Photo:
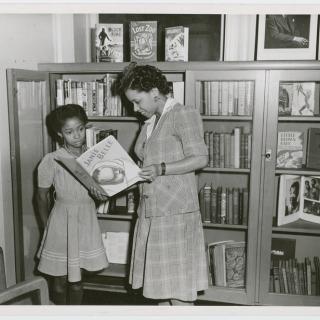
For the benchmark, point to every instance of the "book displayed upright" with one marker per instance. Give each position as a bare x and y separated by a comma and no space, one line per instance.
106,166
305,99
109,42
290,149
176,43
143,40
299,199
313,149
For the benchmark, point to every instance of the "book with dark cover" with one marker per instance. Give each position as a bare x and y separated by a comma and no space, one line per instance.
285,98
283,249
313,149
109,42
143,40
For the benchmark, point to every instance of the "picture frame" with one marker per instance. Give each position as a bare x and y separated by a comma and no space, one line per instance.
275,37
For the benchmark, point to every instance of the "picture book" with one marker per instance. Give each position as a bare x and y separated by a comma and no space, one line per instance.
299,199
305,99
176,43
106,165
313,149
290,149
285,98
109,42
143,40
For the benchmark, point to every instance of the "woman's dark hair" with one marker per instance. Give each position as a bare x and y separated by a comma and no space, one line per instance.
142,78
58,117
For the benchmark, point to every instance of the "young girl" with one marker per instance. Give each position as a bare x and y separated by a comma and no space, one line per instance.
72,238
168,254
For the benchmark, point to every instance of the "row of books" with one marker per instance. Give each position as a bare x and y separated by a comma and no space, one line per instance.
223,205
124,203
298,99
143,42
95,135
293,277
227,263
225,98
296,151
229,150
96,97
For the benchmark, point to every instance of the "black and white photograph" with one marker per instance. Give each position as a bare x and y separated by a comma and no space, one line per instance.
137,186
287,37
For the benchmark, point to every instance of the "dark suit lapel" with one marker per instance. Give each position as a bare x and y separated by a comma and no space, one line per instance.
281,21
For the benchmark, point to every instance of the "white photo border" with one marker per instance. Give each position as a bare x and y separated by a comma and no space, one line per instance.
291,53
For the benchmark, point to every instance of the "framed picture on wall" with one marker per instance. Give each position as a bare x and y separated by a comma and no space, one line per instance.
287,37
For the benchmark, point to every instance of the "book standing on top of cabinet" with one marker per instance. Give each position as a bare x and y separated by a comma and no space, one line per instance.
176,43
109,42
143,41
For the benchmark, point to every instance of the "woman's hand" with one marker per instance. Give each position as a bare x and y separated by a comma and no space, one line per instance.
97,194
150,173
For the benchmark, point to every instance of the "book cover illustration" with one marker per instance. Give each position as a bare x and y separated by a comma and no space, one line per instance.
299,199
305,99
176,43
109,42
235,264
313,149
290,149
227,263
143,40
106,165
285,98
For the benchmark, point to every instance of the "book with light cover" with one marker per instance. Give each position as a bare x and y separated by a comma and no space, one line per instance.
106,165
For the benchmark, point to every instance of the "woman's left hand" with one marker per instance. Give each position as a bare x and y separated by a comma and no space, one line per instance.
97,194
150,173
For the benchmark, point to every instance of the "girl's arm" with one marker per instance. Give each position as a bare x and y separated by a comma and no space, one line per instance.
43,204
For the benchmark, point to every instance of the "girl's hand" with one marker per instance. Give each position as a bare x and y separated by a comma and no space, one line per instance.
150,173
97,194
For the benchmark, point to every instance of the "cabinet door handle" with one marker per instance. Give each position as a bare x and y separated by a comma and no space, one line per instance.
268,154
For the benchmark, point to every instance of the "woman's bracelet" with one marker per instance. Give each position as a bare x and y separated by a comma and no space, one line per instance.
163,168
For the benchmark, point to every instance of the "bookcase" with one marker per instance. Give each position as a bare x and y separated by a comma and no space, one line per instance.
256,174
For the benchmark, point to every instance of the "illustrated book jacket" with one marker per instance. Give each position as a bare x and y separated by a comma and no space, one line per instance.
106,165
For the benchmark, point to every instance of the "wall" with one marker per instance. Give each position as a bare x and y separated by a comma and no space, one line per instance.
26,40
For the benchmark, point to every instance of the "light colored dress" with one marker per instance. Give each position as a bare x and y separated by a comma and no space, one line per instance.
168,254
72,238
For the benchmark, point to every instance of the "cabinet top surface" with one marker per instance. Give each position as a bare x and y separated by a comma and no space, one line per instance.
180,66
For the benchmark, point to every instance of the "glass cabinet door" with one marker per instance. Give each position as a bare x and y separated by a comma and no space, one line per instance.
231,106
290,247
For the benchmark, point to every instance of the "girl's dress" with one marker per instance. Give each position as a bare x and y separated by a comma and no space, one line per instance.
168,255
72,238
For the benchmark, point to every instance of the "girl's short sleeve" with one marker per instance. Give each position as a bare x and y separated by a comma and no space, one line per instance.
188,125
46,171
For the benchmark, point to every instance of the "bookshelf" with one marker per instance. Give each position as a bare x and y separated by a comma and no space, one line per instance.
305,234
261,178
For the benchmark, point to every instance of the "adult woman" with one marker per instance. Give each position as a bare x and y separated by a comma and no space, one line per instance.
168,255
